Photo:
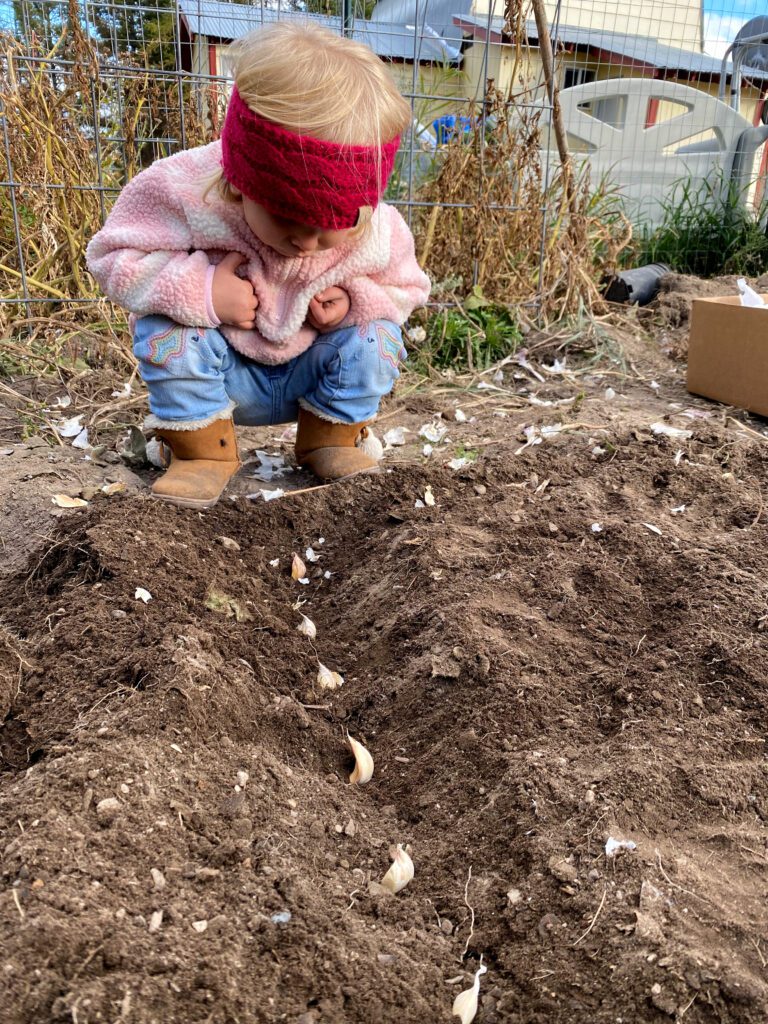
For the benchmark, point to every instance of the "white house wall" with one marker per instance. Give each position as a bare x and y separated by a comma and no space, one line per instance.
672,22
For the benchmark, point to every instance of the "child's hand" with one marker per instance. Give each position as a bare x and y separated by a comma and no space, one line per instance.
328,309
234,299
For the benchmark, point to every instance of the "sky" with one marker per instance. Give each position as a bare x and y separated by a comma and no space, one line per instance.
724,18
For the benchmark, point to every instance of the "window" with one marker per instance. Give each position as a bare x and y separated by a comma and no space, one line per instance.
577,76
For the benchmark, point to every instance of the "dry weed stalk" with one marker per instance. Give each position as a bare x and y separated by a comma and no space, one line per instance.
519,233
77,132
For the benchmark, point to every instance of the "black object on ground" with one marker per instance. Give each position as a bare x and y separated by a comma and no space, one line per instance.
639,286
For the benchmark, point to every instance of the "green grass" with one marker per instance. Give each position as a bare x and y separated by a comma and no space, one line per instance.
474,336
707,231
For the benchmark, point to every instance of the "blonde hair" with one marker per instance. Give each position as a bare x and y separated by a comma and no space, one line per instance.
315,83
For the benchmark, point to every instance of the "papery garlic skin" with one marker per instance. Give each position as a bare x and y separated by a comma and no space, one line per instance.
363,771
307,627
328,680
400,872
465,1003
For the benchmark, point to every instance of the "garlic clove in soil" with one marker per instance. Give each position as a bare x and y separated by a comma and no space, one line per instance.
400,872
307,627
328,680
363,770
65,501
298,569
465,1003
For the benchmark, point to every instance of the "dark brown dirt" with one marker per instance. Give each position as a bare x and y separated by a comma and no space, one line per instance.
529,688
671,309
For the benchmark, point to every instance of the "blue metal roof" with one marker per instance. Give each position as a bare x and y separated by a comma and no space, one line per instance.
640,49
221,20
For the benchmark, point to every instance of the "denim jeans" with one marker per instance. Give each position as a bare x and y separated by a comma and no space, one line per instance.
194,375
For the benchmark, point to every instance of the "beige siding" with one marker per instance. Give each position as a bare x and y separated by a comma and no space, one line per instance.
503,68
200,55
673,22
436,91
750,97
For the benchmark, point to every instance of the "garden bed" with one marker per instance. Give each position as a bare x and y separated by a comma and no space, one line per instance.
567,648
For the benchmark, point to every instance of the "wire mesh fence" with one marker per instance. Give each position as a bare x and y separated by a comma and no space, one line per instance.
545,140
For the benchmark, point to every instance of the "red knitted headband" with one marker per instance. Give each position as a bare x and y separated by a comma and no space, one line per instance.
303,179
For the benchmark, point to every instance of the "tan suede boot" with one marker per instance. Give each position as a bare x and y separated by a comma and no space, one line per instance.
328,449
202,464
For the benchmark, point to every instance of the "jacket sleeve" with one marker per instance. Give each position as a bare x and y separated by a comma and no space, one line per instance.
143,258
394,292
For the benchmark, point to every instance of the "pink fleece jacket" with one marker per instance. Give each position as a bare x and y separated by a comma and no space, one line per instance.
159,247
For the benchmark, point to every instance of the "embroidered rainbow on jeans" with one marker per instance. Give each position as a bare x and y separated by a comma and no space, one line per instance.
390,346
168,345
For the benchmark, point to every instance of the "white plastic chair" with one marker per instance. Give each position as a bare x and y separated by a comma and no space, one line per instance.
645,135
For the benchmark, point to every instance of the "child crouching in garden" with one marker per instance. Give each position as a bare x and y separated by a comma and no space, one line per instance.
266,280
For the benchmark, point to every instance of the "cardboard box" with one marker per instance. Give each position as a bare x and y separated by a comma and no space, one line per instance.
728,353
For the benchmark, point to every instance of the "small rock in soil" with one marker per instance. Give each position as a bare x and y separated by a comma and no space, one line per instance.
107,810
548,925
155,921
562,869
444,666
206,874
648,929
158,878
233,805
663,1001
467,739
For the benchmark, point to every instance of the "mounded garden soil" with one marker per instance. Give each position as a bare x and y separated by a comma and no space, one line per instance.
670,311
555,654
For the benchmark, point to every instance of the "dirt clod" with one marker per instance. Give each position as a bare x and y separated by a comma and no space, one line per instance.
107,810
